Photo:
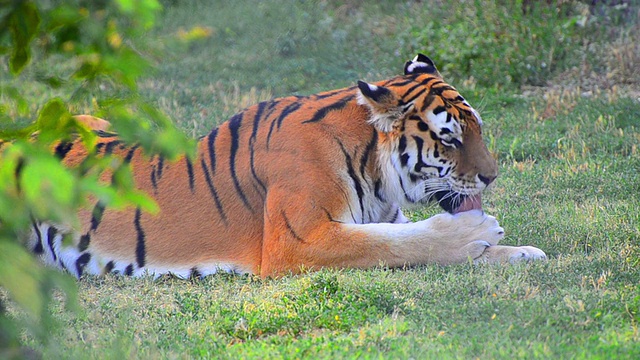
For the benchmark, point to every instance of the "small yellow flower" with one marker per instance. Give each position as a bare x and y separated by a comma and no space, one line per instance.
68,46
115,40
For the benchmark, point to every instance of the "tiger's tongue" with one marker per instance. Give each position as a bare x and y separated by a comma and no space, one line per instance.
470,203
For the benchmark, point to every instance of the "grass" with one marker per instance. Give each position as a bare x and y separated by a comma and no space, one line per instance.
569,184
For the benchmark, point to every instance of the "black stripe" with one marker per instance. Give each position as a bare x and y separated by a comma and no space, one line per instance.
156,172
328,214
404,82
38,248
213,191
195,273
192,181
160,167
367,151
286,111
404,191
271,127
409,90
412,98
434,136
434,82
377,190
332,93
111,145
85,240
154,182
428,101
290,228
395,217
211,145
129,270
423,126
272,107
439,90
252,141
81,262
51,233
402,144
127,158
404,159
63,148
253,172
109,267
234,126
96,215
320,114
256,121
18,173
104,134
141,251
354,177
63,266
420,163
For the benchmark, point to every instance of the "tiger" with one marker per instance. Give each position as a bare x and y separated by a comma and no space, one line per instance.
301,183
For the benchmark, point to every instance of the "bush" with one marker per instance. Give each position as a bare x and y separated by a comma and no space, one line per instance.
502,43
87,57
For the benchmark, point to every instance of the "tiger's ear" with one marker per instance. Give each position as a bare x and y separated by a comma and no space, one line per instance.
421,64
385,106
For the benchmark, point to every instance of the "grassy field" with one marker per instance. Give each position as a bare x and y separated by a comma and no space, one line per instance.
570,185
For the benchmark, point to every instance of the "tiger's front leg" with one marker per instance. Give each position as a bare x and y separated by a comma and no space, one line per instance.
511,254
296,238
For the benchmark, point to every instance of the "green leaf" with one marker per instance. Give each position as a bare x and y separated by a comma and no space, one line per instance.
49,188
13,94
141,10
54,121
54,82
23,24
18,276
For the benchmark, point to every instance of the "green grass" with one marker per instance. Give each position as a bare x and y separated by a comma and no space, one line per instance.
569,185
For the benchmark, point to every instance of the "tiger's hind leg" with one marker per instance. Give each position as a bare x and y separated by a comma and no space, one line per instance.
57,247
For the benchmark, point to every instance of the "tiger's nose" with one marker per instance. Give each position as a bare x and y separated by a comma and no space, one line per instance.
487,179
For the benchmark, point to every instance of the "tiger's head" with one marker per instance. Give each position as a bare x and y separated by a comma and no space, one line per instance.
431,138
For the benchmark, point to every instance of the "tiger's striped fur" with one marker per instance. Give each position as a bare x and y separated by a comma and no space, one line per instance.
302,181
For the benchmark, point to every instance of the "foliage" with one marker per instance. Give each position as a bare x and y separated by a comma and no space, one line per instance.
504,43
98,44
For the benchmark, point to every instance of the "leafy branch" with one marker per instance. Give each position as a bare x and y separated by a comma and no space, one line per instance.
86,54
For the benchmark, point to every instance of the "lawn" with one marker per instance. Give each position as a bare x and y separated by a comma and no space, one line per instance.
562,117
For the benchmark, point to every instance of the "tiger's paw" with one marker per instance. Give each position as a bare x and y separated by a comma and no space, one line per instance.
465,236
466,227
511,254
